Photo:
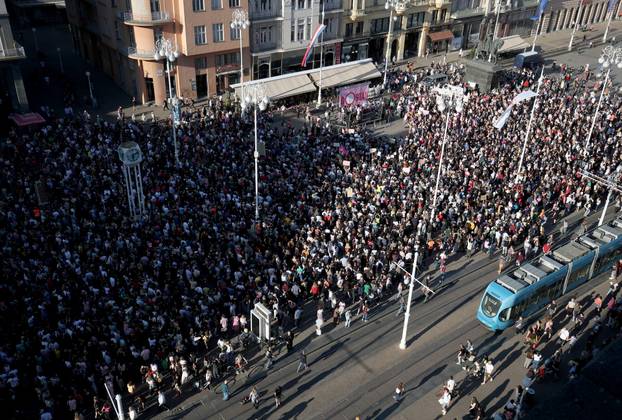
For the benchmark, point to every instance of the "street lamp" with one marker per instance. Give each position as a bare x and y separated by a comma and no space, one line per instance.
447,98
60,60
494,34
88,78
391,5
257,98
610,56
165,49
239,22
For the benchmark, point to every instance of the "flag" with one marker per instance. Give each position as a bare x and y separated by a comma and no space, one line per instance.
541,7
314,39
523,96
612,4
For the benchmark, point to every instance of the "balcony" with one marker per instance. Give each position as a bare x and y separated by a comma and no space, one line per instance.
9,54
258,13
153,19
438,3
332,5
263,47
356,14
137,54
468,12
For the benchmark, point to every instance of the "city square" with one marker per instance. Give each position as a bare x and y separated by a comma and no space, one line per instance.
311,209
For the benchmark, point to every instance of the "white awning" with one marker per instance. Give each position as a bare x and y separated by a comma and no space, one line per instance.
513,43
282,86
345,74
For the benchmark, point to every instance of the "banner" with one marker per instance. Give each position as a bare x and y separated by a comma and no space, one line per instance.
354,95
523,96
316,36
541,7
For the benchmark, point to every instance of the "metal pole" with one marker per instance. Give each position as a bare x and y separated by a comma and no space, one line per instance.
602,216
576,24
600,101
319,91
170,94
256,155
241,65
608,23
120,412
388,52
60,60
494,35
440,165
88,77
533,109
409,303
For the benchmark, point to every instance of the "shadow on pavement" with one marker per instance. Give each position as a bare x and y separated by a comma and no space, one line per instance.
429,376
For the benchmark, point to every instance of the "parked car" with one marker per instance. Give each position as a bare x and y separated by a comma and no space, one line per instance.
530,60
435,79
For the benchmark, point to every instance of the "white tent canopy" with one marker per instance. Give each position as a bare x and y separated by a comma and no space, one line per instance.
287,85
513,43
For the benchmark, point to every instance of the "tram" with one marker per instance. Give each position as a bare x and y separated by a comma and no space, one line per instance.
527,289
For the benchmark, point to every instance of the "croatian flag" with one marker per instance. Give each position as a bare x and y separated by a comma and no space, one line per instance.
541,7
316,36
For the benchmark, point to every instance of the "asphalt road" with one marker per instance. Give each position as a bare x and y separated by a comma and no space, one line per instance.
353,371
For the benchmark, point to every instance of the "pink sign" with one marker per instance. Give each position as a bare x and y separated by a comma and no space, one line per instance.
354,95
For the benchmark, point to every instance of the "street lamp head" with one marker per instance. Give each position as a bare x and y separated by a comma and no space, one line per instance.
606,64
265,100
262,106
232,25
248,99
245,24
88,73
156,56
386,5
176,54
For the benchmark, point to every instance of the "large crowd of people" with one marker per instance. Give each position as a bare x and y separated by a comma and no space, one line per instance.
92,297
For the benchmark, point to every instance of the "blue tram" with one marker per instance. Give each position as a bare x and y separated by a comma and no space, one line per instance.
530,287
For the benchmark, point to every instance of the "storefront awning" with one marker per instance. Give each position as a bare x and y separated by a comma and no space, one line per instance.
441,35
513,43
280,87
345,74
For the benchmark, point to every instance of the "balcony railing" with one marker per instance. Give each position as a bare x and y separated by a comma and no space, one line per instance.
263,46
257,13
12,53
138,54
468,12
155,18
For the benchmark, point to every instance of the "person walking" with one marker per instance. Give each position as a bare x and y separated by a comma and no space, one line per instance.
399,392
254,397
365,311
488,369
348,319
268,364
402,304
162,401
224,387
445,400
277,396
302,361
476,410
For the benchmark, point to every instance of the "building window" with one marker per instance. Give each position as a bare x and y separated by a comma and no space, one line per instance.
199,35
234,3
379,25
443,15
293,32
300,30
130,35
349,29
216,4
359,28
301,4
198,5
235,33
309,33
200,63
265,34
155,5
434,16
219,32
227,59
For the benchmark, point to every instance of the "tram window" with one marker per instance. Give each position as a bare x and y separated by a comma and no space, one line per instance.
505,314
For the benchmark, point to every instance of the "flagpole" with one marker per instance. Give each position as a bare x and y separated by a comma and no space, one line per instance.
611,12
535,38
319,92
533,111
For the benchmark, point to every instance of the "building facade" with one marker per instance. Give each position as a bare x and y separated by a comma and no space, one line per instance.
119,37
11,53
282,29
560,14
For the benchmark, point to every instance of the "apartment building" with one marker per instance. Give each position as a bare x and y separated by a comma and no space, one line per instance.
560,14
11,81
419,27
282,29
119,37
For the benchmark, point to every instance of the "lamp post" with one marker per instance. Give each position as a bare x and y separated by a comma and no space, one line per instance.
610,56
411,287
256,97
88,78
60,60
392,6
576,24
239,21
609,182
611,12
34,37
165,49
446,99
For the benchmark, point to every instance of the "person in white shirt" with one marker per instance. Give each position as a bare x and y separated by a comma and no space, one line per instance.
488,369
450,385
